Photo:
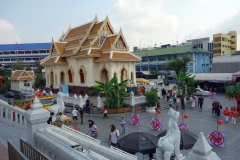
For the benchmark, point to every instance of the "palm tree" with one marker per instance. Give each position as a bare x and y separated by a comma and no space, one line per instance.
115,92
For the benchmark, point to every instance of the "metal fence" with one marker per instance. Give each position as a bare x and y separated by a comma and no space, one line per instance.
14,153
30,152
27,152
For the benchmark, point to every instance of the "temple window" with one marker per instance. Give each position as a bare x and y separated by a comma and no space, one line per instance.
82,78
70,76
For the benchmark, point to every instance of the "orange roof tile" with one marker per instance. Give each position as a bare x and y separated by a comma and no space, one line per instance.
60,47
104,56
17,73
124,56
95,28
81,53
61,60
30,73
67,52
108,41
87,42
49,61
78,31
25,78
73,42
95,52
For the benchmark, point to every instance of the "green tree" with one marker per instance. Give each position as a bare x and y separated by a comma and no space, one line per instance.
178,64
17,66
151,97
154,71
188,83
39,81
6,83
114,92
38,66
233,92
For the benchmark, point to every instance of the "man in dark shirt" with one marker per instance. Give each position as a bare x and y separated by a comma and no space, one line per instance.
200,100
182,103
87,105
50,118
81,114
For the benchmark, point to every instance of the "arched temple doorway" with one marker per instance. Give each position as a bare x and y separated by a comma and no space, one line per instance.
104,75
51,79
62,78
123,74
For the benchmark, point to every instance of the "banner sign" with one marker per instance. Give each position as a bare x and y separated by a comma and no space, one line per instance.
212,95
217,138
63,88
183,127
135,119
156,124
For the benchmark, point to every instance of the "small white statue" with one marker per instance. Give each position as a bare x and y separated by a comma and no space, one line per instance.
170,143
59,107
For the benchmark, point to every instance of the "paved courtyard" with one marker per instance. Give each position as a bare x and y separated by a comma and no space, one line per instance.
199,121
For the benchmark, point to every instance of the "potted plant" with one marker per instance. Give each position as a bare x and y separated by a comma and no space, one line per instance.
151,98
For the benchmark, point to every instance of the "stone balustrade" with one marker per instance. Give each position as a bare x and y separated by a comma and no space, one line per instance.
12,113
75,100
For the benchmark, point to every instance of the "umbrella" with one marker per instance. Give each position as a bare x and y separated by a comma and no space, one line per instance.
188,139
142,142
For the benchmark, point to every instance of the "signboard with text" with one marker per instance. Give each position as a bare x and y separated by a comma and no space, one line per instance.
63,88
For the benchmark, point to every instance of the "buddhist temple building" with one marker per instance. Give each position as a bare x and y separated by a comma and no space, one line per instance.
21,79
88,53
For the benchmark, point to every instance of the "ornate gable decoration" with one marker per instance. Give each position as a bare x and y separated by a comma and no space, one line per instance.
106,30
120,44
24,74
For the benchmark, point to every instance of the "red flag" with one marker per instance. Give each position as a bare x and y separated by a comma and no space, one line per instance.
16,46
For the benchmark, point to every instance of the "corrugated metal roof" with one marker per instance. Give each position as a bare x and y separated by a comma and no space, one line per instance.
171,50
25,46
226,59
224,77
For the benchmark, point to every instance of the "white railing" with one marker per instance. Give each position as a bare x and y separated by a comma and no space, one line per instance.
92,143
12,113
75,100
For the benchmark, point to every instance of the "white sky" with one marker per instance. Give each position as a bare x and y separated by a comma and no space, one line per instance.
148,21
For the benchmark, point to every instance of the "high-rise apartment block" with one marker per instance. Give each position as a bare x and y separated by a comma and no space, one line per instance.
224,44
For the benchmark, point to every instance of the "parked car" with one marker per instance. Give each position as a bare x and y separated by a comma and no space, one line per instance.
10,94
19,96
202,92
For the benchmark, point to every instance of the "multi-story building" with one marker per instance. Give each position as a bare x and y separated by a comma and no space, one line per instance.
27,53
158,58
200,42
224,44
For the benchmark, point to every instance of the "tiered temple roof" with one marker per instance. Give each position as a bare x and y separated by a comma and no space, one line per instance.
93,39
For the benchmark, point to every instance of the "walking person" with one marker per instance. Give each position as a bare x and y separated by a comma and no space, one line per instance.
214,108
59,120
81,114
174,97
74,114
122,122
93,129
87,104
177,103
182,103
170,102
194,103
234,115
113,136
49,121
200,100
217,109
91,109
238,109
226,113
105,113
168,96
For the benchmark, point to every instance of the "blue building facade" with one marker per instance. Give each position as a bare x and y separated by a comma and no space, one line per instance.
27,53
158,58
